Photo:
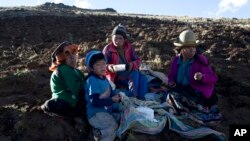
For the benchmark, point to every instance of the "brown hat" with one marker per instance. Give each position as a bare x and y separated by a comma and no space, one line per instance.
59,50
58,56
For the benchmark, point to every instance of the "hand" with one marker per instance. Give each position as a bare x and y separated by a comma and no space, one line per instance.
106,94
165,81
198,76
116,98
130,66
111,68
172,84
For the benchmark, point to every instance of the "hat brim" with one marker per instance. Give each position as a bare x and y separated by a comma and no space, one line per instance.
178,44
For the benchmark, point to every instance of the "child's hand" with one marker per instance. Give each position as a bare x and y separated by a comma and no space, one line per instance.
106,94
198,76
116,98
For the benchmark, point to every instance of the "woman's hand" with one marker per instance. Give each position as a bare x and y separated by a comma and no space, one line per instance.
111,68
172,84
106,94
130,66
198,76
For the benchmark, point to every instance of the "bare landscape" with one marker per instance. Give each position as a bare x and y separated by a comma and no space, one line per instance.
28,35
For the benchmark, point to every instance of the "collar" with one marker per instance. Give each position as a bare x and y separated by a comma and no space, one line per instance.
96,76
113,48
189,61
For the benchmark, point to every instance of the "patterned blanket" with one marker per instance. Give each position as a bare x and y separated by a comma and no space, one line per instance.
196,112
134,118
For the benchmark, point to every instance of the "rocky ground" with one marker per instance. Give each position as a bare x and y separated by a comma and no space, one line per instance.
28,36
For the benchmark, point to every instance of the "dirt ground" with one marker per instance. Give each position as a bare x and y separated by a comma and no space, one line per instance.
28,37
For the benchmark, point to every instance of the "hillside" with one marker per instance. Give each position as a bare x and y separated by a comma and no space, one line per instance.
28,35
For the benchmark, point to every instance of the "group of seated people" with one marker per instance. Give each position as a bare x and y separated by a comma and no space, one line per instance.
190,76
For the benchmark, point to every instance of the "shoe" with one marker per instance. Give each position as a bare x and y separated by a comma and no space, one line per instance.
214,109
81,127
211,117
203,109
43,107
45,110
176,103
79,120
96,132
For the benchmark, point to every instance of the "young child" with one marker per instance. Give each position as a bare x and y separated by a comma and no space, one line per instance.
100,98
66,83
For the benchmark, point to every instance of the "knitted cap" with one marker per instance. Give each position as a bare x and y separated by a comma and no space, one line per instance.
120,30
92,57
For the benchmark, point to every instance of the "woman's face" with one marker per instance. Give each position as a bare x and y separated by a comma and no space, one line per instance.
188,52
71,56
118,40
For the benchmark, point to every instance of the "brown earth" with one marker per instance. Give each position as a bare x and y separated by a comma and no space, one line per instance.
28,36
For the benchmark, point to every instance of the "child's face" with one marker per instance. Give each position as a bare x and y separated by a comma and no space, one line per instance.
99,68
71,55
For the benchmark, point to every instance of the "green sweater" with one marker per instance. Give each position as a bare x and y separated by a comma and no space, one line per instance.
66,83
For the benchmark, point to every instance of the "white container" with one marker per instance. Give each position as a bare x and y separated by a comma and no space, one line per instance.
120,67
147,112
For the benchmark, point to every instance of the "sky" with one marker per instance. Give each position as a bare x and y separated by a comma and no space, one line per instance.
192,8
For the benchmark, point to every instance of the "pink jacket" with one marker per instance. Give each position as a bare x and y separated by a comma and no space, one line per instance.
112,57
200,64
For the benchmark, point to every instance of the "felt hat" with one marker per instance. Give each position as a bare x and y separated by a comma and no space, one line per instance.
186,38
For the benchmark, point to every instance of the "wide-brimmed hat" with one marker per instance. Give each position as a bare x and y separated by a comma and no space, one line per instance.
186,38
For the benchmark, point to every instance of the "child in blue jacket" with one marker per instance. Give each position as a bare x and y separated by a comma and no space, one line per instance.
100,98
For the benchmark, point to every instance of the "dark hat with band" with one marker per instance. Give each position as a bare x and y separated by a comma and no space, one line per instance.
59,49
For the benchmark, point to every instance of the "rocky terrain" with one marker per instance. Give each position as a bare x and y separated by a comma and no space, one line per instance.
28,35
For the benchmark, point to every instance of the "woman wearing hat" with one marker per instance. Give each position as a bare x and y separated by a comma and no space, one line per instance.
123,64
66,83
190,72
